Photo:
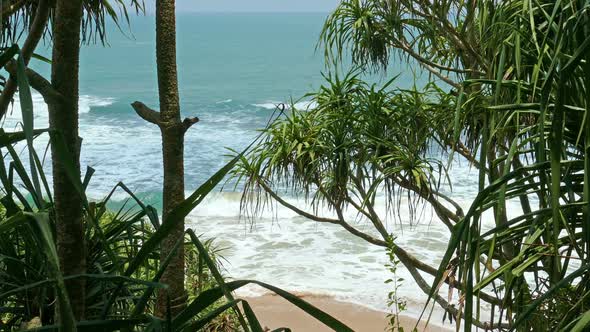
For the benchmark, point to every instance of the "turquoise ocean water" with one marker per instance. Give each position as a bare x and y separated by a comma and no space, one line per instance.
233,69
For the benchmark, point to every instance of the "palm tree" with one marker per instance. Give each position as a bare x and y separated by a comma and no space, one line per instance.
70,18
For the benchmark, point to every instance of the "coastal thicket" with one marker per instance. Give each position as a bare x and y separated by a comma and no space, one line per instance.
507,92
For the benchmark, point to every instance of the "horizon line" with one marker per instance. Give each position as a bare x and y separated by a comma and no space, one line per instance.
243,12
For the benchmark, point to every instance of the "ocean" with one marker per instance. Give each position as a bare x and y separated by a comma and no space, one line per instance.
233,69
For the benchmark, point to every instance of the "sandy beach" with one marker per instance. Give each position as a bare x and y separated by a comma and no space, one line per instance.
274,312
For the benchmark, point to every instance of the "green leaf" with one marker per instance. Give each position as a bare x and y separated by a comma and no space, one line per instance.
251,316
209,297
40,223
26,103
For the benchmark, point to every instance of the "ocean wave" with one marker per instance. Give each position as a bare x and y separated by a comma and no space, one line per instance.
226,101
297,254
302,105
300,255
268,106
85,104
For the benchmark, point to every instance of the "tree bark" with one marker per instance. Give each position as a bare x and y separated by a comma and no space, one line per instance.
172,129
173,150
63,117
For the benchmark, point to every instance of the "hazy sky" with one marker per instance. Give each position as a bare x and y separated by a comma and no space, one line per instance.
251,5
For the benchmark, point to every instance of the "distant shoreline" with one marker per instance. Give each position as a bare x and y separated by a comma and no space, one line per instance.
273,312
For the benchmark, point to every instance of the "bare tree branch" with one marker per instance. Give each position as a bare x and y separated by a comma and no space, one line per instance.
404,256
310,216
438,74
189,122
11,7
146,113
406,48
425,287
373,216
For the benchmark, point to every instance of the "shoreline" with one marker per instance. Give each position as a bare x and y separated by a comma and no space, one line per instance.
274,312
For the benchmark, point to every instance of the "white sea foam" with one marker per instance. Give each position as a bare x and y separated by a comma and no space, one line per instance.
40,112
330,260
87,102
299,255
268,105
224,101
302,105
305,105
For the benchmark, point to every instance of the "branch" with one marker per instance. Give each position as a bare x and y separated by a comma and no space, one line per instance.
425,287
362,235
146,113
353,230
293,208
444,25
440,76
12,7
409,259
153,116
374,217
29,46
310,216
37,82
466,153
460,214
404,256
406,48
444,214
189,122
358,207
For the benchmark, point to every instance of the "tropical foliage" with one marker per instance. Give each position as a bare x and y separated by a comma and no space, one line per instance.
508,92
121,250
18,17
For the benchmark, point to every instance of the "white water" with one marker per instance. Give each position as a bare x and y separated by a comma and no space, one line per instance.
300,255
301,105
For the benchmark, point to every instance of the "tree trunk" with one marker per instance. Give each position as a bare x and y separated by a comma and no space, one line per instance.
172,129
172,148
63,117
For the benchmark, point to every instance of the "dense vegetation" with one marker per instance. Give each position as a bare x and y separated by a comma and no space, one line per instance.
508,93
68,263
